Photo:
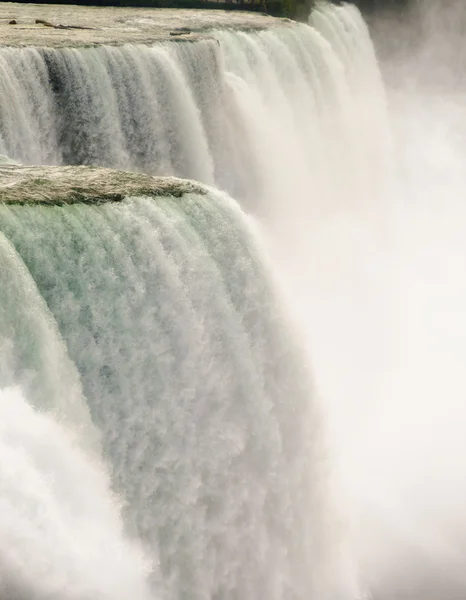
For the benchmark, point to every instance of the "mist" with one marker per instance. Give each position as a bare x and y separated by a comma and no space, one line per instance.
405,457
375,269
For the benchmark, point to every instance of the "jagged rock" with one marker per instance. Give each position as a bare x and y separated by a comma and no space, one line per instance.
48,24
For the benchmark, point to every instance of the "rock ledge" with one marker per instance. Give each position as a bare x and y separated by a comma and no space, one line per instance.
76,26
86,185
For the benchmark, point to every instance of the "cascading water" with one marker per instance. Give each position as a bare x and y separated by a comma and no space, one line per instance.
148,331
159,437
218,110
196,388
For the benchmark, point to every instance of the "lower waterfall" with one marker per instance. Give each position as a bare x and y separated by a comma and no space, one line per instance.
202,403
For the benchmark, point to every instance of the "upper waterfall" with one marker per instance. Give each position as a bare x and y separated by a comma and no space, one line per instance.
261,114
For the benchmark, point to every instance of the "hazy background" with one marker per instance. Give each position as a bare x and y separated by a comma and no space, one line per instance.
411,490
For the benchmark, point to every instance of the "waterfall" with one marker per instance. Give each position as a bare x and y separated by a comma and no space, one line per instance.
192,379
258,114
161,435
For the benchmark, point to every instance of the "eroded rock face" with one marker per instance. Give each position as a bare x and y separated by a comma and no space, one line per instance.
90,185
73,26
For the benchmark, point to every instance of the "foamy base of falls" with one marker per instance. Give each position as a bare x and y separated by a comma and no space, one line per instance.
60,526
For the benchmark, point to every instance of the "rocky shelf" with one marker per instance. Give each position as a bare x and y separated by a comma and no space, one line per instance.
87,185
56,26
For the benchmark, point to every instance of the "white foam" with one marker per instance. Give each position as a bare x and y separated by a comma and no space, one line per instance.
61,533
